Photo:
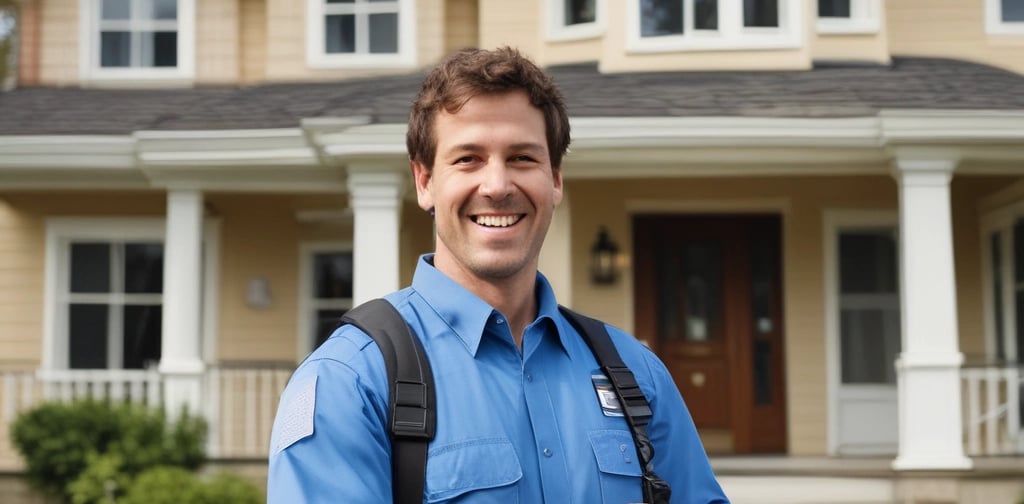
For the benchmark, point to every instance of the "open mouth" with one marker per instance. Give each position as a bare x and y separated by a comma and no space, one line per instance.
498,221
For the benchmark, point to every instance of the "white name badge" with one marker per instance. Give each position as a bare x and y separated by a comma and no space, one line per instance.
606,395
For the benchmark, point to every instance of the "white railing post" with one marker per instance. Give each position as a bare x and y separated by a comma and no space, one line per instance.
992,379
1011,376
973,411
213,408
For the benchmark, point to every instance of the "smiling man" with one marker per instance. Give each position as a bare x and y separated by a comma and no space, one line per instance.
520,414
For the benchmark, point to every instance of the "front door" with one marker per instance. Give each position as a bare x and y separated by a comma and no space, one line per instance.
708,300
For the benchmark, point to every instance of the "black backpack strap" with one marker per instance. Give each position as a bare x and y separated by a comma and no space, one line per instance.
412,404
634,404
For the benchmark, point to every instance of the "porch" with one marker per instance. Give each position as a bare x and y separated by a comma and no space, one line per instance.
240,400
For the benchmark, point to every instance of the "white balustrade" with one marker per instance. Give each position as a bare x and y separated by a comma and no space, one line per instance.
992,410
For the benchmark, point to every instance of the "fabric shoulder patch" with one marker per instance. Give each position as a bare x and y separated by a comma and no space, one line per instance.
295,421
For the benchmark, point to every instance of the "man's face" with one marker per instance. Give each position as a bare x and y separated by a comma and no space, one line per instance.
492,187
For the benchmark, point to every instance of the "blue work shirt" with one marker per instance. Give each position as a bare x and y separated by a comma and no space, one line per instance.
512,426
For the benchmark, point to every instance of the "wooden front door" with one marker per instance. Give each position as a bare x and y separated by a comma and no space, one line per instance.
708,299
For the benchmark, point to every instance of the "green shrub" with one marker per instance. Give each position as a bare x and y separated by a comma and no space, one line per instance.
56,440
173,485
102,481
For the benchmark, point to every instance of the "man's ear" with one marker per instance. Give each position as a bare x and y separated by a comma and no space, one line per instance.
421,176
556,178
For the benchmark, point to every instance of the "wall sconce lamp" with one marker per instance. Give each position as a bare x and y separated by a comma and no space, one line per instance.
257,293
604,258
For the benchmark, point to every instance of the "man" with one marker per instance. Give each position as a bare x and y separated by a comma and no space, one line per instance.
518,419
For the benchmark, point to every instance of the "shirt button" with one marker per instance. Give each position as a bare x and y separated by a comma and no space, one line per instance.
547,452
529,377
500,321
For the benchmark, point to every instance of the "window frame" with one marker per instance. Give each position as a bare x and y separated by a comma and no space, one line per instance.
308,305
865,18
317,56
1000,221
994,24
837,221
559,31
90,12
730,36
61,231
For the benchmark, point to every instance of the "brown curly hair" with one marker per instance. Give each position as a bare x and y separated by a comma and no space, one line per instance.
472,72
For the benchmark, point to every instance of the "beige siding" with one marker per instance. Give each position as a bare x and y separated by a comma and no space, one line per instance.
217,41
253,39
870,48
58,52
21,285
460,24
516,24
951,29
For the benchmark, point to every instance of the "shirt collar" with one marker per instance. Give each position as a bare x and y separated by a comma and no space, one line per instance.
467,315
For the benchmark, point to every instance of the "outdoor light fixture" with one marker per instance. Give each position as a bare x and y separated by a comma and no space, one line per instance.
604,259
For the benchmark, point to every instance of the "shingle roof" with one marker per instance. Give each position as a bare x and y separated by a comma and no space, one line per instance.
825,91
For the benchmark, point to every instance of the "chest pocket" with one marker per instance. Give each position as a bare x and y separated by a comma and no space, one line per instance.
476,470
620,470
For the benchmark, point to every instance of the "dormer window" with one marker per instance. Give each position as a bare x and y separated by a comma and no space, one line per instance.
361,33
671,25
849,16
137,39
1004,17
575,19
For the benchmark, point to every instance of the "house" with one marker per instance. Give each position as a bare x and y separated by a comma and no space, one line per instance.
813,211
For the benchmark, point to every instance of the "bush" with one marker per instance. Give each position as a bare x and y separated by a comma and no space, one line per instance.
58,441
173,485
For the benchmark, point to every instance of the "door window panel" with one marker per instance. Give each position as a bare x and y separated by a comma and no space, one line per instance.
141,345
90,267
87,335
869,312
331,292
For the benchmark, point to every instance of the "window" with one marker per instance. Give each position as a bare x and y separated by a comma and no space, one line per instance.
1004,255
1004,17
848,16
326,291
137,39
360,33
105,285
575,19
669,25
869,306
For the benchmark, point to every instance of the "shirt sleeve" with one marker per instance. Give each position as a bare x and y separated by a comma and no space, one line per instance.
679,456
329,441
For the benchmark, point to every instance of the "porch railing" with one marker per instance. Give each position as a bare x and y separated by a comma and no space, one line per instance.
239,401
992,415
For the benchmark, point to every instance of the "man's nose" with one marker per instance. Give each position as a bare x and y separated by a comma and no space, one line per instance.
497,182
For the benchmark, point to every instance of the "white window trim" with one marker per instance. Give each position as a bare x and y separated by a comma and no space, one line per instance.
837,221
865,18
1000,221
304,343
730,36
318,58
994,24
89,49
60,231
559,32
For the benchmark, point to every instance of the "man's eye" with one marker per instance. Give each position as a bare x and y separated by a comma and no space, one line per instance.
523,158
464,159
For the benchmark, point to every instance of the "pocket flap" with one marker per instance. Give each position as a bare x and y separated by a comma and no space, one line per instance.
615,452
475,464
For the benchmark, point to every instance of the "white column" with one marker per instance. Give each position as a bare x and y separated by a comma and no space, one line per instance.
928,368
181,361
375,195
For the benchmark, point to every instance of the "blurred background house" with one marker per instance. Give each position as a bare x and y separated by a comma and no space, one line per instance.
813,211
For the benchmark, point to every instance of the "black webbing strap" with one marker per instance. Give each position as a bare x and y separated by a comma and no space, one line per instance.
411,391
634,404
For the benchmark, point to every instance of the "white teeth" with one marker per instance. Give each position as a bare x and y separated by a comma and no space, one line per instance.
497,220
